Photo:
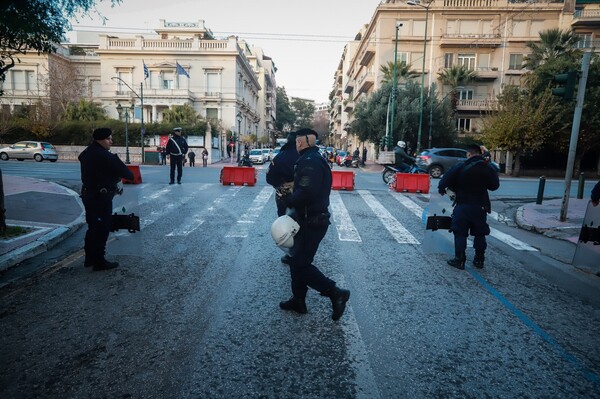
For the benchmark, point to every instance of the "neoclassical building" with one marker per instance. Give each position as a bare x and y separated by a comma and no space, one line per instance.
487,36
226,81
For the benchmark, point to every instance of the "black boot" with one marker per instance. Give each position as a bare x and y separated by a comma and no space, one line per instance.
479,259
294,304
338,297
104,265
458,262
286,259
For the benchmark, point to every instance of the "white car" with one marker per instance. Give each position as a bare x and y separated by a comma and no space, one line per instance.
267,152
257,156
38,150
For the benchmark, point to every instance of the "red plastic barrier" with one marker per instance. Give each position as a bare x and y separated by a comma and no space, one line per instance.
342,180
412,183
137,176
238,176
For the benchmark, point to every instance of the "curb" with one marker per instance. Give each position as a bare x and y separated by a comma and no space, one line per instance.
520,221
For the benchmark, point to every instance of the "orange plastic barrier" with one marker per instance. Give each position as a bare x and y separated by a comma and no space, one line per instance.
342,180
412,183
137,176
238,176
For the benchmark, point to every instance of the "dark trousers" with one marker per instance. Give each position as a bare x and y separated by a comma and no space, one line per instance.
98,211
176,161
192,162
469,219
304,274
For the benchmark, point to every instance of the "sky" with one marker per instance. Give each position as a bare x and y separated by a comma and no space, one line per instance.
304,38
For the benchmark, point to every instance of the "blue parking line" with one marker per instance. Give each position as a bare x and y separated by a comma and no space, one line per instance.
590,375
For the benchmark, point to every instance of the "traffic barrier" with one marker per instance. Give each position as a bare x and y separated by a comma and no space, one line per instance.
342,180
238,176
412,182
137,176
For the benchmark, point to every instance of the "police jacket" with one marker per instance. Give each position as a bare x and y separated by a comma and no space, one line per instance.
471,180
281,169
101,169
181,142
596,192
312,184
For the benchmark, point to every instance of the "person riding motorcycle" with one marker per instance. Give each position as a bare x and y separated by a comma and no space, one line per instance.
402,160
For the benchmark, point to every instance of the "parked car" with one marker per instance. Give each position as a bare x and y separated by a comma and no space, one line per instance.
257,156
267,153
436,161
38,150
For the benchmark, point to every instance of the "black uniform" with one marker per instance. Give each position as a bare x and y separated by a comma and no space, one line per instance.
192,158
281,173
100,172
310,200
470,180
402,160
176,153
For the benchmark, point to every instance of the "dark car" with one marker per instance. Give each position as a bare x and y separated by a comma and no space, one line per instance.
436,161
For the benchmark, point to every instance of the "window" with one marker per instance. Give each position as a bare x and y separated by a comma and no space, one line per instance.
121,87
448,60
483,62
402,57
167,81
465,94
585,40
213,83
469,27
468,60
418,28
464,124
536,28
212,114
519,28
516,61
417,59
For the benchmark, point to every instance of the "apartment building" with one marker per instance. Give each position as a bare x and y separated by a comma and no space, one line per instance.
487,36
226,81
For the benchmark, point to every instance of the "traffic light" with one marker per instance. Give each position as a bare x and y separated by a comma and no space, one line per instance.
567,80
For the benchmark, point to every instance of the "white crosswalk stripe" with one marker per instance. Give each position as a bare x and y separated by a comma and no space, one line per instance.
396,229
341,218
195,221
242,227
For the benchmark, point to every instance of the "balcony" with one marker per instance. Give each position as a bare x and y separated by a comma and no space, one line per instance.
492,40
166,93
348,106
487,73
365,82
586,18
476,105
367,57
349,88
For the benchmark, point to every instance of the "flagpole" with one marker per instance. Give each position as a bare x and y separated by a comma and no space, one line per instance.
143,132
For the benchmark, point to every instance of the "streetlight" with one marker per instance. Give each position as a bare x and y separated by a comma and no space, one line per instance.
124,112
239,121
418,4
394,87
141,97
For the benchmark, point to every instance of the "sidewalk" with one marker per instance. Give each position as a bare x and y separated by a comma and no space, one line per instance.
53,212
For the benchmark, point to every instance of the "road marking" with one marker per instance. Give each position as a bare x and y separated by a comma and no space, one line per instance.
501,218
399,232
196,220
410,205
247,220
343,223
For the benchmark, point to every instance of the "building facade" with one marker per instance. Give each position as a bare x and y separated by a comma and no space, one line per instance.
486,36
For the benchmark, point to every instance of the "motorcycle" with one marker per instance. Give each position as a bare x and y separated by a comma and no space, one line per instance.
389,172
351,161
245,161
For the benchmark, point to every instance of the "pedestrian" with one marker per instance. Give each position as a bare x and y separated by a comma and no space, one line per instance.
192,158
204,157
163,152
596,194
309,201
470,181
100,172
364,155
177,147
280,175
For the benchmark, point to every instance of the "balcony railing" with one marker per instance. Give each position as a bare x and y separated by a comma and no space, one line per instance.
476,105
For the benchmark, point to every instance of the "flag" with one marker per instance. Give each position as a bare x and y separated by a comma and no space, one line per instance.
181,71
146,72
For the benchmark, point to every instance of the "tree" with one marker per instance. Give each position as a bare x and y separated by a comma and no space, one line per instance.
305,112
521,122
321,124
554,43
84,111
183,114
35,25
455,76
403,71
284,112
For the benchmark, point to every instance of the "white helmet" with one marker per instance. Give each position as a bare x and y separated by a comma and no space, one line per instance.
401,144
283,230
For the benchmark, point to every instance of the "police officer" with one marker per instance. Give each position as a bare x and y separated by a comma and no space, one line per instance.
177,147
100,173
470,180
281,176
310,200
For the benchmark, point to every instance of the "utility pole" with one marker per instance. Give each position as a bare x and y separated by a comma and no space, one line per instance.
575,134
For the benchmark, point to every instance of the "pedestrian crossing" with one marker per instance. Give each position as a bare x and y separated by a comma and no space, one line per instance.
249,204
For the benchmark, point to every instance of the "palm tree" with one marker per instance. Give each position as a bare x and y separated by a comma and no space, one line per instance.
455,76
554,43
403,71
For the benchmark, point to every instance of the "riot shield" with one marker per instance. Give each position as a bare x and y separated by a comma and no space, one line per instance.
437,218
587,253
126,237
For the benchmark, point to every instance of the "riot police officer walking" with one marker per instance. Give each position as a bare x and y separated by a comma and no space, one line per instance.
177,147
101,171
310,200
